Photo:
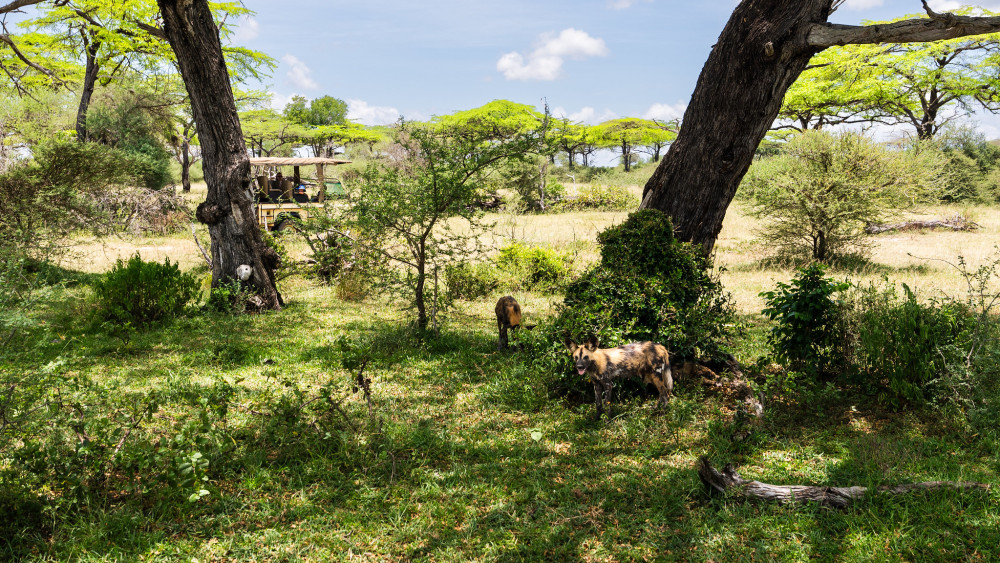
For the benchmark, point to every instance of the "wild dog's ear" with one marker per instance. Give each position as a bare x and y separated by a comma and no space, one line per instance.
572,346
592,343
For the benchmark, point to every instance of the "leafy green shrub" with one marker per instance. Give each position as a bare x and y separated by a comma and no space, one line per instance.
649,286
806,315
815,199
605,198
140,293
534,267
905,347
229,297
470,281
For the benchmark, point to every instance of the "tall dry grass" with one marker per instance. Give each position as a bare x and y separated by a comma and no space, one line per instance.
917,258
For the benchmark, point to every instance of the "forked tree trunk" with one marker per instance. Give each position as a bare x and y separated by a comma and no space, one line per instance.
760,53
228,208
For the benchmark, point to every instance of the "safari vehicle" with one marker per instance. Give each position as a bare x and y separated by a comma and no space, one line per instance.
281,199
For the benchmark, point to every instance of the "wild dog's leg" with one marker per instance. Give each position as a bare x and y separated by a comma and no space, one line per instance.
598,398
607,397
502,337
663,380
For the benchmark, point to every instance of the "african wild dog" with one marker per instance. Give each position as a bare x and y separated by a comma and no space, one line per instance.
646,360
508,317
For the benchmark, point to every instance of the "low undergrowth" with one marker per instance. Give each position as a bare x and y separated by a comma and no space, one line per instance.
329,431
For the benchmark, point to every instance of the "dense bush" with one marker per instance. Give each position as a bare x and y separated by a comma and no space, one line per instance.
604,198
806,317
648,286
472,280
815,199
908,351
516,267
898,348
139,293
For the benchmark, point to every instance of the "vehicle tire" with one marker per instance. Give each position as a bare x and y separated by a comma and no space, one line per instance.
283,225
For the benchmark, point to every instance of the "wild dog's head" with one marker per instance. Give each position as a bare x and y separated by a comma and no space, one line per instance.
583,356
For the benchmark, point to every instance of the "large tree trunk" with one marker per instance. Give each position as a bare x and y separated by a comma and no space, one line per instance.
87,91
228,208
761,52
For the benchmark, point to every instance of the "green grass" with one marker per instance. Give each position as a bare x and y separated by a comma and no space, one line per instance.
466,456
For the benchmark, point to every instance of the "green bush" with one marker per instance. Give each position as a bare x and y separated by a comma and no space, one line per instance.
806,316
516,267
905,348
605,198
815,200
648,286
471,281
534,267
230,297
140,293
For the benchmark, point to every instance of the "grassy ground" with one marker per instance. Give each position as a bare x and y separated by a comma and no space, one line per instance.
464,456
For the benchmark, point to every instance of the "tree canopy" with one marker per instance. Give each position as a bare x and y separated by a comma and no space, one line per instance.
923,85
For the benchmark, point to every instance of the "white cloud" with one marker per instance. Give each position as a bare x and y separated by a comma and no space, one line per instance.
622,4
545,62
585,115
665,112
862,4
360,111
247,30
299,74
279,101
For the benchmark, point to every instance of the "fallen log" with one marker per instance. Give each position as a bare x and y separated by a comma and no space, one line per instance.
728,480
956,223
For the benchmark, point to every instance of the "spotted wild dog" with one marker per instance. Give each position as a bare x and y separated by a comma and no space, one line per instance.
508,317
648,361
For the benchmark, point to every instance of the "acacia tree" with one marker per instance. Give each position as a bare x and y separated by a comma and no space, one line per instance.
630,134
228,208
824,95
926,85
429,178
763,49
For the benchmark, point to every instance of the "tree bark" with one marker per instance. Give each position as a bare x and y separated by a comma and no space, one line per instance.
185,165
729,481
762,50
87,91
228,207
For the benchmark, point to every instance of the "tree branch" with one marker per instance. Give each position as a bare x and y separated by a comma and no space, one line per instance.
18,4
934,28
5,38
728,480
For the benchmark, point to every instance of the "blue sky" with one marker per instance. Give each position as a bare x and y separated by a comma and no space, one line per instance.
590,59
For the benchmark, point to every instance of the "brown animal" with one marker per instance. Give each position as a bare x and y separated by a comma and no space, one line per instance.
648,361
508,317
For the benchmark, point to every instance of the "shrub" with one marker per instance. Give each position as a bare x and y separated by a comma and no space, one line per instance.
605,198
140,293
806,315
533,267
470,281
648,286
904,347
229,297
816,199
